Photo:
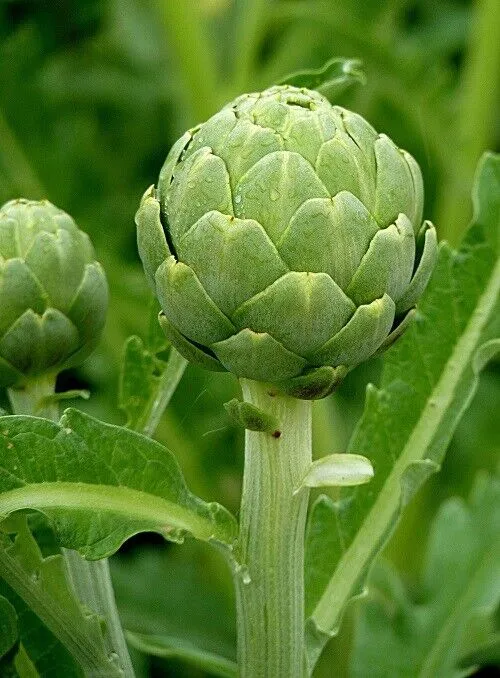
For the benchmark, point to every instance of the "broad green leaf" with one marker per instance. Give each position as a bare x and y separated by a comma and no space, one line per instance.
331,79
423,635
47,610
169,647
100,484
428,380
8,626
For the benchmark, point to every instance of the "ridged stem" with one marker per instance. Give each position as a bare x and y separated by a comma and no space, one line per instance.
90,580
270,583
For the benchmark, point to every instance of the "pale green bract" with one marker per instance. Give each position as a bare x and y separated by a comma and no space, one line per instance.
53,294
284,240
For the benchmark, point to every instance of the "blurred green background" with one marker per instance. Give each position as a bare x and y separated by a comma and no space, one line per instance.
92,95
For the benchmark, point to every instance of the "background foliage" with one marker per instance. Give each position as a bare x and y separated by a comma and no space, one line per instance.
94,92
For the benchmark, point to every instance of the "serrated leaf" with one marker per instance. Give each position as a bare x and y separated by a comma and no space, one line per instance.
147,380
147,384
54,630
424,636
138,378
100,484
333,78
428,380
169,647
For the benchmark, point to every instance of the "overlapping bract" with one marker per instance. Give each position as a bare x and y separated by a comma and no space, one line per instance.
284,235
53,294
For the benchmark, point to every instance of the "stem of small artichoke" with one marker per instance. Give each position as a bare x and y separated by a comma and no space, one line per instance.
270,582
90,580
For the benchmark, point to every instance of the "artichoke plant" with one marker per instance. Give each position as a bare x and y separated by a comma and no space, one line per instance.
53,294
284,237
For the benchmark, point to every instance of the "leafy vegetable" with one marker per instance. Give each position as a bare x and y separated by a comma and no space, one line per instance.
100,484
428,380
424,633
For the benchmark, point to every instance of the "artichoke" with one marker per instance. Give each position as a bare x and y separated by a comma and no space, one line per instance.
53,294
284,240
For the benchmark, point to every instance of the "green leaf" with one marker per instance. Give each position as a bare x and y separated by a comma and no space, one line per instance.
423,635
331,80
100,484
47,610
169,647
139,379
429,378
147,381
8,626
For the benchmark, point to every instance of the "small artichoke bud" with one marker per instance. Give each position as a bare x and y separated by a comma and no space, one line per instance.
53,294
285,236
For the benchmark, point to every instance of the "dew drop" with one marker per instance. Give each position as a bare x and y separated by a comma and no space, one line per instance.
237,199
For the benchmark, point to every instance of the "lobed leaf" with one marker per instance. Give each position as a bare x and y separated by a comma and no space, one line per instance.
100,484
428,380
424,635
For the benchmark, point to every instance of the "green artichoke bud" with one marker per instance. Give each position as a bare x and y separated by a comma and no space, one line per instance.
285,236
53,294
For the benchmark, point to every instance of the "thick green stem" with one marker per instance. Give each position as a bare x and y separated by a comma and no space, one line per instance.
90,580
270,584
